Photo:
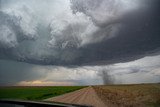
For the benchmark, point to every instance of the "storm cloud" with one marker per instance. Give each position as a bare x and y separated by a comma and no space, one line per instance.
139,71
90,33
81,42
13,72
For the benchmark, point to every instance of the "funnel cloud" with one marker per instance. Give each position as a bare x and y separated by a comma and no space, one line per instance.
106,77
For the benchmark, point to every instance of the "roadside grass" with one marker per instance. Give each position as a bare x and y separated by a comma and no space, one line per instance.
35,93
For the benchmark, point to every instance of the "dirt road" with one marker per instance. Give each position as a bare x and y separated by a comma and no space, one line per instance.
85,96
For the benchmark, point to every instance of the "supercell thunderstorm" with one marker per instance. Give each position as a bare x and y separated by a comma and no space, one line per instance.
78,32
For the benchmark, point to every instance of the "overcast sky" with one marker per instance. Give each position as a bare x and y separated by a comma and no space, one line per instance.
79,42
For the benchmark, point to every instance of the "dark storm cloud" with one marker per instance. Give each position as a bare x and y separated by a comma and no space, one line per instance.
13,72
137,36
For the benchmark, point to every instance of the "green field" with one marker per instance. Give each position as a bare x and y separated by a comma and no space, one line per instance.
35,93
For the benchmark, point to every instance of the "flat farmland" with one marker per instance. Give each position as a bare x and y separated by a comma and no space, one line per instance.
130,95
134,95
34,92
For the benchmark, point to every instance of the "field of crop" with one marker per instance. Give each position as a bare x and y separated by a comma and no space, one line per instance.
142,95
35,93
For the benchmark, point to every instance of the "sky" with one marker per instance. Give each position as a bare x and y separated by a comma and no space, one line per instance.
79,42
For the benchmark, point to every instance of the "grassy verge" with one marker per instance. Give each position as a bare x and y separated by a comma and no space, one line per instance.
35,93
